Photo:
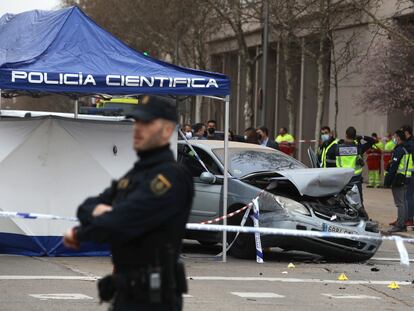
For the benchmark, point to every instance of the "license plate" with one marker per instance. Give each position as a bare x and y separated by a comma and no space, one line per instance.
335,229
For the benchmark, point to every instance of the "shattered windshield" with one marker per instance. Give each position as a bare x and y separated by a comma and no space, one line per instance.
246,161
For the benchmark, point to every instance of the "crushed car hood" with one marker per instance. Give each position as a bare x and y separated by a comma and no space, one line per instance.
319,182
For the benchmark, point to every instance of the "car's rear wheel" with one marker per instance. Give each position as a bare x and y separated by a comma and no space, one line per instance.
244,246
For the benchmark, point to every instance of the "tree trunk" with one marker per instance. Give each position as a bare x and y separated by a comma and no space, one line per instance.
321,70
197,117
290,96
321,91
336,84
248,109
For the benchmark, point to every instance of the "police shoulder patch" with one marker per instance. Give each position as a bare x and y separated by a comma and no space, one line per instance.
123,183
160,185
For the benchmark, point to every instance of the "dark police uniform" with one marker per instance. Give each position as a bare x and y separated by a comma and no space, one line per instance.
150,207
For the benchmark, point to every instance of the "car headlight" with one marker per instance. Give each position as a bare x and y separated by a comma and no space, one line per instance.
291,205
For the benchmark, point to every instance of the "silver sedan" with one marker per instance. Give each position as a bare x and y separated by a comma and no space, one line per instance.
294,197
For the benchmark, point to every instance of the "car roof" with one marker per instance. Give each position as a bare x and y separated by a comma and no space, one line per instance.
213,144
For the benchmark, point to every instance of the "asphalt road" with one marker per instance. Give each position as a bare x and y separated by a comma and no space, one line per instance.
69,283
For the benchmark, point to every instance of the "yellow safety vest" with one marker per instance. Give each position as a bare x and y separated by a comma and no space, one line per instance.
379,145
324,153
287,138
348,157
389,145
406,164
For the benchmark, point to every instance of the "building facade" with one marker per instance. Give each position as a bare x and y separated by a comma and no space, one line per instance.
225,58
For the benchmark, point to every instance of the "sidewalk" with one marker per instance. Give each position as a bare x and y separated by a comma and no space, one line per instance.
380,207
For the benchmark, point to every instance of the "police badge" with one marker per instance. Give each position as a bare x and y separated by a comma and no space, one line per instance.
160,185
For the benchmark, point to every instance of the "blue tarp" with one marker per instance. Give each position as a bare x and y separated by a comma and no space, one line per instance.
65,51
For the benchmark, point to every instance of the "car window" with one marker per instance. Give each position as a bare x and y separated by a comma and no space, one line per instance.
244,161
208,161
187,158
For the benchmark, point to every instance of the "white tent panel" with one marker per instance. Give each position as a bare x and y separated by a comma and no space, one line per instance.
13,134
50,165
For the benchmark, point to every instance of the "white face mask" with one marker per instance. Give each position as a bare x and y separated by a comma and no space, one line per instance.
188,135
325,137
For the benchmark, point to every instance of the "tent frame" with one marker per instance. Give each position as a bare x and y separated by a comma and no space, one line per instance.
226,100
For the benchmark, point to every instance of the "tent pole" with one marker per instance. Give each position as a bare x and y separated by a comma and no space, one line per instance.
76,108
225,175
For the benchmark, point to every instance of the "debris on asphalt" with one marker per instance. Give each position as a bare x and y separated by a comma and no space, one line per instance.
375,269
393,285
342,277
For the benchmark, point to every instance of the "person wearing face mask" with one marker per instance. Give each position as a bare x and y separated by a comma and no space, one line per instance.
187,130
326,152
373,160
212,133
264,139
397,178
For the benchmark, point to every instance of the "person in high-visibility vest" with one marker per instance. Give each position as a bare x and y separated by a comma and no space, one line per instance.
349,153
389,146
408,132
397,177
326,151
286,141
373,161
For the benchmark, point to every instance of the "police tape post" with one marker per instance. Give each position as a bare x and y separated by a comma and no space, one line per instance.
404,258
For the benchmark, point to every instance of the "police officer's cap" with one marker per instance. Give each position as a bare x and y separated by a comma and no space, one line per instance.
154,107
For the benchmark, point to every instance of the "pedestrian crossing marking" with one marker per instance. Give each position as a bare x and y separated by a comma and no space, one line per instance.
346,296
60,296
257,295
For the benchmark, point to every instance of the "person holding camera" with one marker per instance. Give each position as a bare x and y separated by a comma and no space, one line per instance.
397,178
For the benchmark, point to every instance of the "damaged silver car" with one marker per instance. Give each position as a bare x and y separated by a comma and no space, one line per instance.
295,197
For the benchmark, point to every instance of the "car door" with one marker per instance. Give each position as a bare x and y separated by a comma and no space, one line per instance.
207,197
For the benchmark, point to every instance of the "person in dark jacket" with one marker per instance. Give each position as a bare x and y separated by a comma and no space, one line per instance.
395,178
212,133
408,131
349,154
142,216
263,133
251,136
199,132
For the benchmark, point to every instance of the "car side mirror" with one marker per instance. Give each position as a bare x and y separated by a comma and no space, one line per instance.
208,178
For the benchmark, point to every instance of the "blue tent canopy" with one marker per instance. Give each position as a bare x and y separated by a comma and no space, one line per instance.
65,51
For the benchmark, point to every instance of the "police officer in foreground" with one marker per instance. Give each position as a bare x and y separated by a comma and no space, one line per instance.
142,216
